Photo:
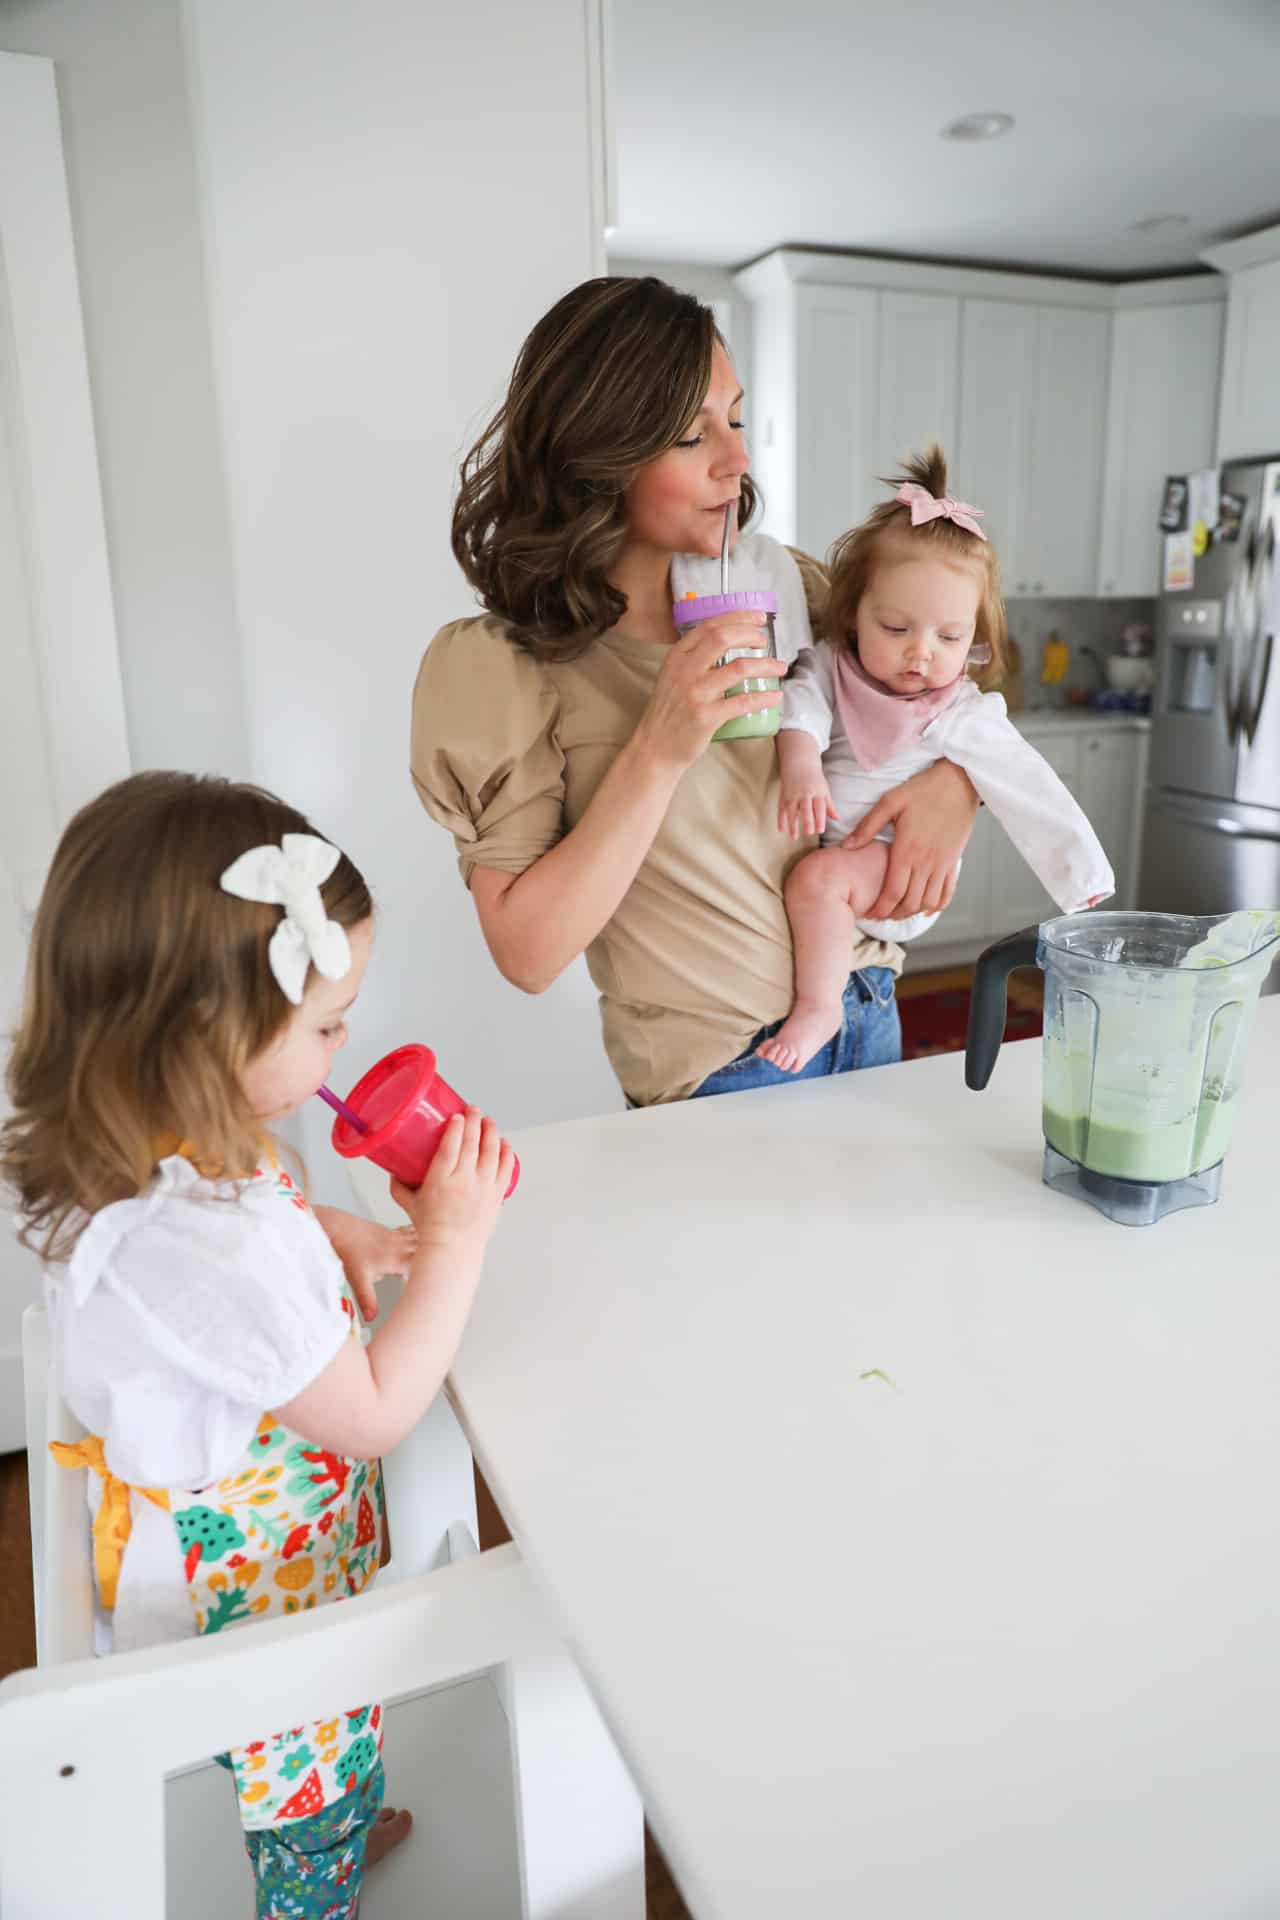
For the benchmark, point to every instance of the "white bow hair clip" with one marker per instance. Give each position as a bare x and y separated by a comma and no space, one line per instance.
291,876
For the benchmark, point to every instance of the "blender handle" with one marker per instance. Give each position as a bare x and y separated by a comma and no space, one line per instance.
989,1001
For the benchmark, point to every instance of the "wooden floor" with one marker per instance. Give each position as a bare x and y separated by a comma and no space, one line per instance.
17,1607
18,1631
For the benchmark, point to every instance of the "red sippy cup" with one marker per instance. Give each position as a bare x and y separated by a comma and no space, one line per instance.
404,1105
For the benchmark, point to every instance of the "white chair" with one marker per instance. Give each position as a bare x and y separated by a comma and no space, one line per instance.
87,1746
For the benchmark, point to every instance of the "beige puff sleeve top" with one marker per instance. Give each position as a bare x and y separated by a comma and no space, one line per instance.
507,753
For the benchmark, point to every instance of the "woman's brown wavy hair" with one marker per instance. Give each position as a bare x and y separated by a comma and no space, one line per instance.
608,380
854,554
148,992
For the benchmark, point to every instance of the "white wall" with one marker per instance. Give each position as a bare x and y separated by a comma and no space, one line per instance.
131,177
392,195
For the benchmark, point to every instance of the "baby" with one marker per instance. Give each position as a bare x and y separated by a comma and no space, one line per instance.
910,632
914,604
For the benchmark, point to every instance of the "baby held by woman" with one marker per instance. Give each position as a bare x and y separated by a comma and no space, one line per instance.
911,632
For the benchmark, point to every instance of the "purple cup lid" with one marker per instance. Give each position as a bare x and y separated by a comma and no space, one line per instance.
712,605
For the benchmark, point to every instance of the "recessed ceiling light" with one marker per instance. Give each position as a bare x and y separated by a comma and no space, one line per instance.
1161,222
978,126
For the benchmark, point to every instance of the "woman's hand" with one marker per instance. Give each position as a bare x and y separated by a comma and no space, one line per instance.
932,816
688,702
368,1253
458,1203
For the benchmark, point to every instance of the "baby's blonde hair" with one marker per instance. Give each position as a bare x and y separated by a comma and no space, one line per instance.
148,992
852,558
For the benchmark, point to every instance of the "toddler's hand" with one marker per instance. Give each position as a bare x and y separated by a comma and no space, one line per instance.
368,1252
805,804
460,1199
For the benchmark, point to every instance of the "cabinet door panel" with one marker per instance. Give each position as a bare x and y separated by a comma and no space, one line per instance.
1250,422
997,365
836,411
1064,477
1161,415
1109,795
919,376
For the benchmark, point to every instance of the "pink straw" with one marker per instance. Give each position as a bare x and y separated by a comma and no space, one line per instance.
349,1114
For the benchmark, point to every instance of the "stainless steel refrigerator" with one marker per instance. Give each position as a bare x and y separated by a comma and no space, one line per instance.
1211,838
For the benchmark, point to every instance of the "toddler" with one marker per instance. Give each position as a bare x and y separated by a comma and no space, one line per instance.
195,954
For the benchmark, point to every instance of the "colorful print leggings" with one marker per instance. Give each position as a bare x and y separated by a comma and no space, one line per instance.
312,1869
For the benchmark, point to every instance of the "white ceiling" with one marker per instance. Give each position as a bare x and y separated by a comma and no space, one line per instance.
742,126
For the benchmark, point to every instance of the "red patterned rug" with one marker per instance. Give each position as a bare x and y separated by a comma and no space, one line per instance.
935,1010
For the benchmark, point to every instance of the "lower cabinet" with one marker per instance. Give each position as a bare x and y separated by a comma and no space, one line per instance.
1104,767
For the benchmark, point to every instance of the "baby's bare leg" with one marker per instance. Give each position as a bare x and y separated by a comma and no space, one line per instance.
826,893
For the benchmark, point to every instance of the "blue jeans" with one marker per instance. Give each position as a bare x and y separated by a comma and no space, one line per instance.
870,1036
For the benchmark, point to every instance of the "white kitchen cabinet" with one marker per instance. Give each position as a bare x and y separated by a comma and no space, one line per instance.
876,378
917,377
997,384
1111,782
1161,418
1064,471
1033,405
1036,387
835,412
1249,423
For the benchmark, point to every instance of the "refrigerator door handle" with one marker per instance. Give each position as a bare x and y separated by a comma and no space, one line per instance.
1249,721
1253,680
1208,822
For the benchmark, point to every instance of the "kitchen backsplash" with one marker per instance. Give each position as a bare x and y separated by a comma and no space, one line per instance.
1081,623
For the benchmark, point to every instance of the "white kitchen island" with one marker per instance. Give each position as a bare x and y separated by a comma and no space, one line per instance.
915,1527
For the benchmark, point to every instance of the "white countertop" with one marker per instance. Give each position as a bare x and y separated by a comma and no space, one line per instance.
1079,720
916,1527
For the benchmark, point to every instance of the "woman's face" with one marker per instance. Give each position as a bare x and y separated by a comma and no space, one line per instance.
676,503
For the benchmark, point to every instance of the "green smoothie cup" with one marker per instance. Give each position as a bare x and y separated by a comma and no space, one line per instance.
692,612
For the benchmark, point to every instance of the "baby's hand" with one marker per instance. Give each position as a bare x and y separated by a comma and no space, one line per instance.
460,1199
805,804
368,1252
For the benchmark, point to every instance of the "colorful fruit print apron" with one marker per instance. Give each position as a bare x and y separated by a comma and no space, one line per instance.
290,1528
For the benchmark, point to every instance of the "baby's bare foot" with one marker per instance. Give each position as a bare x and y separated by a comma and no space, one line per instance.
392,1826
802,1033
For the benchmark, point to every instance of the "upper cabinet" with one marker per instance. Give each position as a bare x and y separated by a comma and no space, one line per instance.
1250,423
1033,384
1161,415
1062,405
876,378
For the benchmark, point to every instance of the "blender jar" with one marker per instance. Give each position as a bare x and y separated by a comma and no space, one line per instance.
1146,1023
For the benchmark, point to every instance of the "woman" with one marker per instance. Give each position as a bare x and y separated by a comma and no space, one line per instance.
565,738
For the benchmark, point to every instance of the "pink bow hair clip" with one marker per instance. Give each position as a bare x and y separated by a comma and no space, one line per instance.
925,506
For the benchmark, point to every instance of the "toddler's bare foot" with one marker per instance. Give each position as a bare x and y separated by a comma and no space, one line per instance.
806,1028
392,1826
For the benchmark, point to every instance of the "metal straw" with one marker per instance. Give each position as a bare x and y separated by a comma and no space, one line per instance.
349,1114
729,513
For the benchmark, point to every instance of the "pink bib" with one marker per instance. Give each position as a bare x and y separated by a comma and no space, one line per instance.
879,724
